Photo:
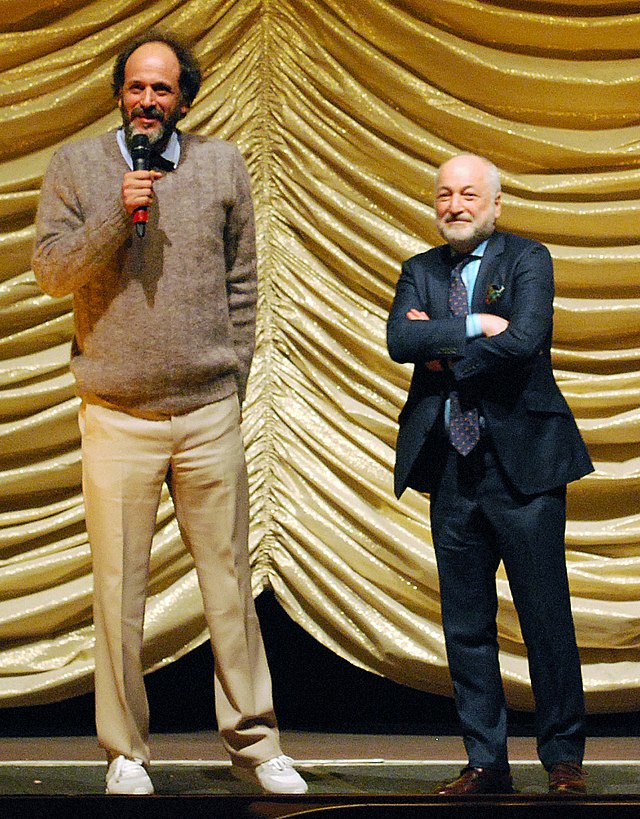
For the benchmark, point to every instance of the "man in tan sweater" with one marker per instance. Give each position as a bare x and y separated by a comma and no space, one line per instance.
164,337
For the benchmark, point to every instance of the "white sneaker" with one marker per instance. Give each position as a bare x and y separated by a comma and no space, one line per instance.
277,775
128,776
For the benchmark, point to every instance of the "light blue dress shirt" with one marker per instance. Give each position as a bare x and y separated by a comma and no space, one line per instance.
469,277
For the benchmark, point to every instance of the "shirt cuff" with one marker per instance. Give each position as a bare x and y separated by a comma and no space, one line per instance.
473,325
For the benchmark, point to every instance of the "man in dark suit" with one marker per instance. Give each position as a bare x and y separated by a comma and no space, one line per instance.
486,431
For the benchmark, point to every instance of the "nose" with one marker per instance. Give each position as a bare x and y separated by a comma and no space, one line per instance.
455,203
148,98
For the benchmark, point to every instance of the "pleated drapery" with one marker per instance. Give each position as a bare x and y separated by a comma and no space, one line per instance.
343,110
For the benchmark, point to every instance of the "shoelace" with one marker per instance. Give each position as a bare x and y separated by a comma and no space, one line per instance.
280,763
127,767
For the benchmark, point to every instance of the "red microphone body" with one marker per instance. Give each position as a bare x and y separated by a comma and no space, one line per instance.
140,153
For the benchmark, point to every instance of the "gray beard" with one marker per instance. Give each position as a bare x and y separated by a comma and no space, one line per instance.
160,137
157,136
476,237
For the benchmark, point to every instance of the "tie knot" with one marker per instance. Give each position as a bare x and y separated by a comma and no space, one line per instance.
459,260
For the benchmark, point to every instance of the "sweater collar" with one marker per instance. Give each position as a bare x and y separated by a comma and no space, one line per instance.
171,153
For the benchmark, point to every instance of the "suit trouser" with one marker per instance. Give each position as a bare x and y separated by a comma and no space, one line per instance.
478,519
125,462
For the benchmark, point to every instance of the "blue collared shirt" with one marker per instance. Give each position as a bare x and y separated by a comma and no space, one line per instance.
469,277
170,153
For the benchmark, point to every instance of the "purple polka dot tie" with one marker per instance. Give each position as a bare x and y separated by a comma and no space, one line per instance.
464,426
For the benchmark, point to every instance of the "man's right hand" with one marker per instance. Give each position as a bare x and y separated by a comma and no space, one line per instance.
434,365
137,189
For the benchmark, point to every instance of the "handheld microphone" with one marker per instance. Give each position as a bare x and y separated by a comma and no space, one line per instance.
140,153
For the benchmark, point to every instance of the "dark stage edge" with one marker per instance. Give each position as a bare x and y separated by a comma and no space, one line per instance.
340,807
364,789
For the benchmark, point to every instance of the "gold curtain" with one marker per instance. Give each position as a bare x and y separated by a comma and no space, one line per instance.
343,111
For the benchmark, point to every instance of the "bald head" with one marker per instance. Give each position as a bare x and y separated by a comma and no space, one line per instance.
468,201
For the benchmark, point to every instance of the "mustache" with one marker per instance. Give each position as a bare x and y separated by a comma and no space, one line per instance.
149,113
454,217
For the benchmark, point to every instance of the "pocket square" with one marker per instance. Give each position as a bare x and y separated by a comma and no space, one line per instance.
494,292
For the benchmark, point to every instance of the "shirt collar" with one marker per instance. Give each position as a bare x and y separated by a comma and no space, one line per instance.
476,253
171,153
479,251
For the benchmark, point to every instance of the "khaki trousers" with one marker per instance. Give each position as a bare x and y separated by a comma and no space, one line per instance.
125,460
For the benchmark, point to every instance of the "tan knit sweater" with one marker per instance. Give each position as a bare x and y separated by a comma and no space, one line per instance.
164,324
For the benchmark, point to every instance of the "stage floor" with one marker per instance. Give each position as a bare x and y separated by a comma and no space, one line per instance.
352,764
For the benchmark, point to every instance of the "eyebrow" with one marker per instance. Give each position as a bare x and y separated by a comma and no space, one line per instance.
160,84
449,189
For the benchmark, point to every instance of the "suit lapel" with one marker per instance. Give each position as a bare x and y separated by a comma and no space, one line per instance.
488,273
438,284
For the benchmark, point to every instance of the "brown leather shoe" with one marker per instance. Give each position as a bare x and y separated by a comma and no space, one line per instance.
477,780
567,777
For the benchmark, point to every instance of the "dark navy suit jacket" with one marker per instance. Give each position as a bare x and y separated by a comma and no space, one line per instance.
508,377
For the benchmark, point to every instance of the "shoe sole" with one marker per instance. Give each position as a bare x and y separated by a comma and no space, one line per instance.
248,777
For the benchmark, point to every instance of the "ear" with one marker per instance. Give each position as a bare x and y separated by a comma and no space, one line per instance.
498,203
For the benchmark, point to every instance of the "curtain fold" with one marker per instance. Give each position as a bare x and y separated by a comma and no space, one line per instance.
343,112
